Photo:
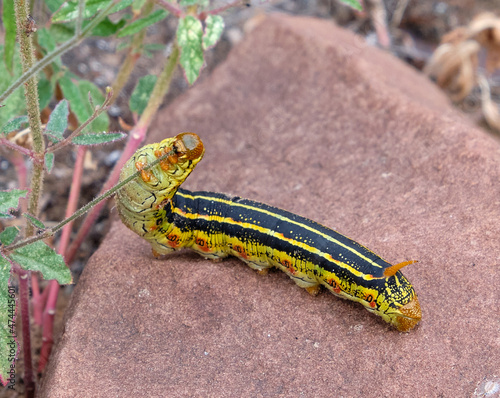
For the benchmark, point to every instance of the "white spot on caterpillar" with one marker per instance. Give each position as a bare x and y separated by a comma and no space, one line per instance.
144,293
488,387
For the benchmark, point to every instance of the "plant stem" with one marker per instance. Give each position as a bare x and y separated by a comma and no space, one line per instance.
51,231
136,137
50,57
53,288
160,89
134,53
25,323
172,8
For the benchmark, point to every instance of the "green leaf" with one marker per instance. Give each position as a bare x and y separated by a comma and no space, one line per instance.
15,104
69,11
9,347
35,221
9,23
61,33
102,122
53,5
10,200
353,3
37,256
189,37
141,94
137,5
76,92
214,26
8,235
14,124
49,161
143,23
71,92
97,138
45,92
58,121
186,3
106,27
47,40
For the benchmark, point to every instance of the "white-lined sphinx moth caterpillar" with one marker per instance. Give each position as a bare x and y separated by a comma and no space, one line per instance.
216,226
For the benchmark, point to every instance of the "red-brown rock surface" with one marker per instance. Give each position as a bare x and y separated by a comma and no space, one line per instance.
304,116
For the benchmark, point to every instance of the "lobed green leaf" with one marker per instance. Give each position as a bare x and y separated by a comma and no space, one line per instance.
39,257
58,121
141,94
14,124
187,3
214,26
8,235
189,37
143,23
69,10
10,200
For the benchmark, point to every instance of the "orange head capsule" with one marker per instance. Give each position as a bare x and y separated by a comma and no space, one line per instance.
189,145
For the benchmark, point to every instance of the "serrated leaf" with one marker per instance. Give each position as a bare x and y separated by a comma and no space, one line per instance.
137,4
37,256
45,92
49,161
97,138
46,40
15,104
102,122
353,3
8,235
61,32
143,23
35,221
187,3
10,200
9,347
141,94
189,37
9,23
72,94
76,92
14,124
69,11
58,121
214,26
106,27
53,5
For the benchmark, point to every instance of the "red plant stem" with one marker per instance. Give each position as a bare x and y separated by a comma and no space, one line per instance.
25,324
53,288
174,10
18,161
203,15
9,144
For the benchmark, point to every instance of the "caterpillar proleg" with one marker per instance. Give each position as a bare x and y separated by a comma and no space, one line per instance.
216,226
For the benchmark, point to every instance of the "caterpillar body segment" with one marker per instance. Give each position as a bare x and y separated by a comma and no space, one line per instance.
216,226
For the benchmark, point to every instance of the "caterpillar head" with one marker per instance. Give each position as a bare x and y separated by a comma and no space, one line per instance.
406,314
156,185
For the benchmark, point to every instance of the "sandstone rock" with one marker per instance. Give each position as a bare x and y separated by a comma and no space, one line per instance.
304,116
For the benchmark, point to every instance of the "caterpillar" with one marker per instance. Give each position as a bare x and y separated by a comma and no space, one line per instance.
216,225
